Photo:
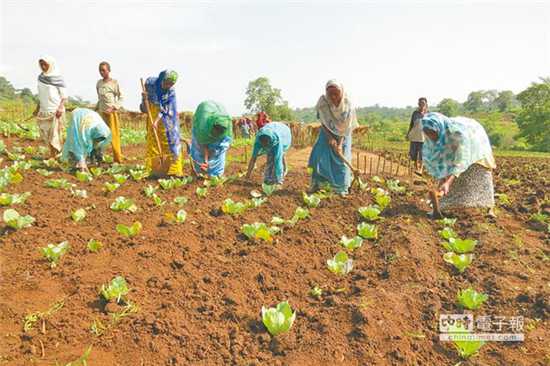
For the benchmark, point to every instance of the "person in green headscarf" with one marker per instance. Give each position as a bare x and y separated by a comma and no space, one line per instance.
212,134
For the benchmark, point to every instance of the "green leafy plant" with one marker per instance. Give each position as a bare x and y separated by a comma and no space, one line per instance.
382,200
123,204
138,174
269,189
94,245
299,214
370,213
172,183
279,319
150,190
460,246
276,220
201,192
539,217
503,199
259,230
448,233
312,200
459,261
111,187
59,183
84,176
82,360
351,243
16,221
178,218
470,298
465,348
129,231
81,193
7,199
116,289
96,171
446,222
367,231
157,200
78,215
30,319
54,252
341,264
393,185
363,186
44,172
120,178
233,208
181,200
215,181
256,202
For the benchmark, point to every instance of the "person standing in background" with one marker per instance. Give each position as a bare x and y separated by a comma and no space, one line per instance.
50,111
415,134
109,102
262,119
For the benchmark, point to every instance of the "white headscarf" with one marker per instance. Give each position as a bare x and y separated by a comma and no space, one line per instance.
52,76
338,119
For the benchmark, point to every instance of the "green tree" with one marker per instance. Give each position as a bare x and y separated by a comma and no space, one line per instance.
505,101
534,117
449,107
261,96
475,101
7,91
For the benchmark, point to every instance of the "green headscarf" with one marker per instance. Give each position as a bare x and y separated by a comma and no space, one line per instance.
208,115
171,75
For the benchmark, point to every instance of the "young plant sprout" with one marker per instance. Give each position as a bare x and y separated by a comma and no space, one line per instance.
233,208
279,319
448,233
503,199
312,200
446,222
201,192
316,292
370,213
181,200
460,246
459,261
84,177
96,171
299,214
149,190
7,199
116,289
341,264
382,200
94,245
539,217
269,189
59,183
120,178
259,230
470,298
276,220
367,231
215,181
129,231
393,185
157,200
363,186
178,218
44,172
465,348
54,252
16,221
124,204
78,215
111,187
256,202
81,193
138,174
351,243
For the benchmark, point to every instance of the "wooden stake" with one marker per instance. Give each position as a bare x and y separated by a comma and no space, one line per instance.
357,164
370,165
378,164
365,164
384,166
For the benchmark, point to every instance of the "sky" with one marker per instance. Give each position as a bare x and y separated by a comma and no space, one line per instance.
384,52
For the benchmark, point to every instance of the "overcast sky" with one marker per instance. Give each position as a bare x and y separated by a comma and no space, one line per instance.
385,52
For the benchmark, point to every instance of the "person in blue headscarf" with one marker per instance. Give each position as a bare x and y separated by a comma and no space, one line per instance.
212,134
161,95
273,140
458,153
87,137
338,119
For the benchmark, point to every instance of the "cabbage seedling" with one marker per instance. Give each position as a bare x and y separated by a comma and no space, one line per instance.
201,192
96,171
465,348
470,298
78,215
279,319
178,218
120,178
460,246
370,213
259,230
116,289
382,200
111,187
311,201
539,217
84,177
367,231
157,200
181,200
7,199
215,181
299,214
393,185
94,245
446,222
363,186
341,264
81,193
53,252
129,231
233,208
460,261
448,233
44,172
269,189
16,221
276,220
124,204
59,184
138,174
149,190
316,292
256,202
351,243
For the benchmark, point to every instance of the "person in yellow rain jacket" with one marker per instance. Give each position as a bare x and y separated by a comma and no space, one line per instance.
108,104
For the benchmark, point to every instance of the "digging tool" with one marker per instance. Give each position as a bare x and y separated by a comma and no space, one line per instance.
150,120
434,195
354,171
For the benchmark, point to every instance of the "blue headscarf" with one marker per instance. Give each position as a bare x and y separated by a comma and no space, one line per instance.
166,100
280,139
86,127
460,143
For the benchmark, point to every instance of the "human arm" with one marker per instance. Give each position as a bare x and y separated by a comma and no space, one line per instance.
61,107
251,165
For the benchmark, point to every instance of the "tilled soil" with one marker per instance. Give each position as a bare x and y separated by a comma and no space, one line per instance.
199,286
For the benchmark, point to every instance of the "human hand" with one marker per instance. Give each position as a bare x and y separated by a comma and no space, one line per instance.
58,113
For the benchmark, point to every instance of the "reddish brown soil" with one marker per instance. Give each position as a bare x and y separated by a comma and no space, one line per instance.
200,286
